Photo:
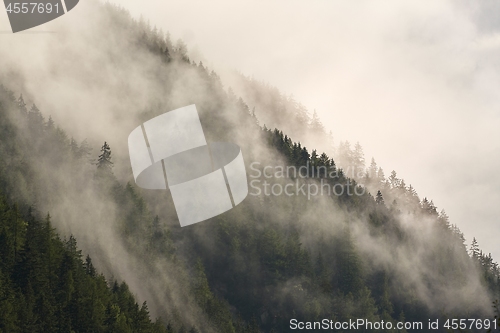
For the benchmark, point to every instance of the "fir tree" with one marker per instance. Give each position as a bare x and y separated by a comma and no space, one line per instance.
379,199
22,105
104,161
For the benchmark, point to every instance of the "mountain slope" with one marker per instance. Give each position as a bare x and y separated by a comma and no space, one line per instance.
273,258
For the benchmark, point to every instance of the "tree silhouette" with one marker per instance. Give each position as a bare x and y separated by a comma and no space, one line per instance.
104,160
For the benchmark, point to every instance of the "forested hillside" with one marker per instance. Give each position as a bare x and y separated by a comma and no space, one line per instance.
382,253
47,286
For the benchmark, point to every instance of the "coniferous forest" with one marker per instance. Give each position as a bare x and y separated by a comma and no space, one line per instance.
85,250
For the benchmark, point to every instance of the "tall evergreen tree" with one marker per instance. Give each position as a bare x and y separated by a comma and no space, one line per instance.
104,161
22,105
379,199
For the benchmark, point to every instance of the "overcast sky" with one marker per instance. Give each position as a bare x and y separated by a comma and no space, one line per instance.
416,83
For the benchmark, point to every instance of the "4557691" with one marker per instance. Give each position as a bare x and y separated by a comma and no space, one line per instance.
32,7
470,324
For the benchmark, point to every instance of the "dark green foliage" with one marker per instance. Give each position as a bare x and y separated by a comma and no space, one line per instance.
45,286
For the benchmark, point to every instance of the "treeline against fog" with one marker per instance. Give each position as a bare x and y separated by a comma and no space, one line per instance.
383,255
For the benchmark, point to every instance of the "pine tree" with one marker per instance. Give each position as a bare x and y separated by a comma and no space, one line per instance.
73,146
349,275
35,121
22,105
345,156
381,177
379,199
358,160
372,170
394,180
429,207
474,249
201,288
181,48
316,125
85,151
50,124
444,220
104,161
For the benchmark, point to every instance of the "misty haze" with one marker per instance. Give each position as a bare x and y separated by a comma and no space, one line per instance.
369,135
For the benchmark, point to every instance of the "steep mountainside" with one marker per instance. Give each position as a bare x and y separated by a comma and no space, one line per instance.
368,247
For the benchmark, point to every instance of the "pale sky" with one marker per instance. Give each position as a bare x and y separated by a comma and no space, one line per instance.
416,83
